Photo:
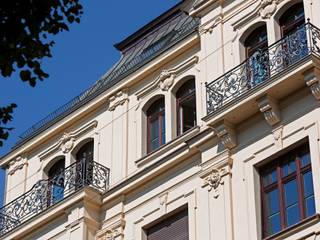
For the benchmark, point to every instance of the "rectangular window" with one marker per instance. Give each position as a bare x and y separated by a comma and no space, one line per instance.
174,227
287,191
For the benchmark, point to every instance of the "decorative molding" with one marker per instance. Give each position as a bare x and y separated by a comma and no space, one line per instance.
167,76
312,80
210,25
277,135
17,164
112,231
213,178
166,79
267,8
118,99
67,140
270,109
199,5
226,133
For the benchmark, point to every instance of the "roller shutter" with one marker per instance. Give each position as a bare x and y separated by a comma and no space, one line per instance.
172,228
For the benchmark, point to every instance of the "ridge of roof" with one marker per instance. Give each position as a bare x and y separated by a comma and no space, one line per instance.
125,43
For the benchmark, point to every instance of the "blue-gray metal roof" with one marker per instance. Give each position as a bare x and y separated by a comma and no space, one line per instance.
137,50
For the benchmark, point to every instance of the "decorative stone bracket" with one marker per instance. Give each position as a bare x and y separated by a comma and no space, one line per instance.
118,99
17,164
226,134
312,80
269,107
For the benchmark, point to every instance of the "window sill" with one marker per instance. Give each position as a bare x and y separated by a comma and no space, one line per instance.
168,146
295,228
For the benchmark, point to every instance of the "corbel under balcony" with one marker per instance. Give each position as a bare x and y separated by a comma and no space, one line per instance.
312,79
226,133
270,109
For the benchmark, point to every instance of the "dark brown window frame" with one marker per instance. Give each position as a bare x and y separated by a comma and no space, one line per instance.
156,114
287,28
279,184
250,48
186,96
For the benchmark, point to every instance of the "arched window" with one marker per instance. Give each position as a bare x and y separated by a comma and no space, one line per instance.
56,182
156,129
84,159
292,19
258,59
186,107
294,43
257,40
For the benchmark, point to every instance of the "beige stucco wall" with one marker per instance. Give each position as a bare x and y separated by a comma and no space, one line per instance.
144,188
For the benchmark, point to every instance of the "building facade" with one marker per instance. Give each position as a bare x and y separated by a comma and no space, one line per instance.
206,128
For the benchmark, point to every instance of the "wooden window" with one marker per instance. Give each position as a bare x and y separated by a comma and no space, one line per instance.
287,191
257,68
156,129
172,228
257,40
84,158
292,19
56,182
186,107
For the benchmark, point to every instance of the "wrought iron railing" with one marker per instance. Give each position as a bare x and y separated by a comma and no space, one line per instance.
46,193
262,66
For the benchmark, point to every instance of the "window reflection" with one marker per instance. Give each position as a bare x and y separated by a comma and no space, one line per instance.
287,188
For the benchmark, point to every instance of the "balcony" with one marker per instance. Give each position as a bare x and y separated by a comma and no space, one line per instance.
262,68
46,193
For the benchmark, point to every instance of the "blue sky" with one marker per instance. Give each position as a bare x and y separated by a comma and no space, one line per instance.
80,57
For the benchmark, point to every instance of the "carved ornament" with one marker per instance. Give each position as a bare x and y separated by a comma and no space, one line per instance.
269,107
118,99
17,164
312,80
267,8
167,77
226,133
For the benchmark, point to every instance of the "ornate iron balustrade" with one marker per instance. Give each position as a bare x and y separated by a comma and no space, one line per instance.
262,66
46,193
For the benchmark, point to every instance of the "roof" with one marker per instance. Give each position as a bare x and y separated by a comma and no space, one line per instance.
137,50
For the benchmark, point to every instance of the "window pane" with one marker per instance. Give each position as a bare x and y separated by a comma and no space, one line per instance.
305,159
308,194
272,202
274,224
270,178
288,168
154,129
163,130
291,202
272,211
